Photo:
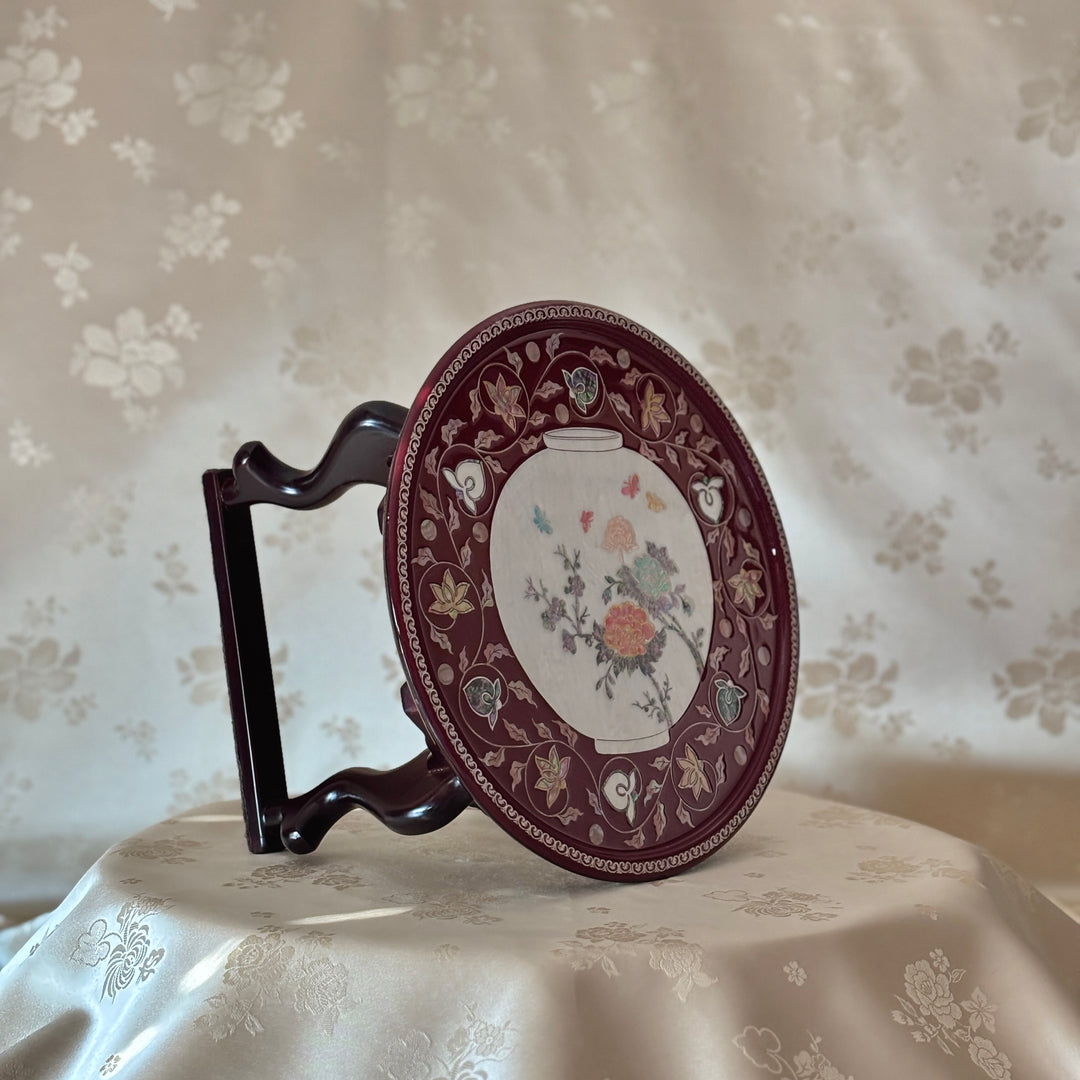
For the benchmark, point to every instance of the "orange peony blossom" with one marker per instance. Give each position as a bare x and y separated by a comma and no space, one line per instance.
627,629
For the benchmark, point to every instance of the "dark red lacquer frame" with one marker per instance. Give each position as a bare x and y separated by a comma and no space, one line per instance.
380,443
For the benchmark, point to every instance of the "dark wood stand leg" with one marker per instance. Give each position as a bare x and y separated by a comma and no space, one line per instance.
423,794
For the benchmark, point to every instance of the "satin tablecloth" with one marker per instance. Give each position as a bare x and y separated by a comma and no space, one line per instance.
824,942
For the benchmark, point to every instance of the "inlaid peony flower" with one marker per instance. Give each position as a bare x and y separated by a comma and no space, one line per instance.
693,777
621,792
468,481
553,773
630,639
628,629
504,400
747,589
450,597
619,535
651,576
653,413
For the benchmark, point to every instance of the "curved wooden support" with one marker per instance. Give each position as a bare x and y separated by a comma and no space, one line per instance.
422,795
359,453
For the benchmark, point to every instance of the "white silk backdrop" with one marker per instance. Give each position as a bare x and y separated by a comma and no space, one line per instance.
230,221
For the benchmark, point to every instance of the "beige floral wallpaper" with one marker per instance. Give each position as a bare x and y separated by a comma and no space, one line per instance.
219,222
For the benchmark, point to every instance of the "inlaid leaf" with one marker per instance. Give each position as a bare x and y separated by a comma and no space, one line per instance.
672,455
453,518
594,802
463,662
751,551
621,404
542,729
494,758
647,451
487,599
495,466
553,345
631,377
705,711
762,701
431,460
744,662
767,619
652,790
570,814
521,692
637,840
516,733
716,657
548,390
660,762
451,428
748,736
531,443
680,404
680,439
706,444
515,361
430,503
601,356
695,461
475,407
709,735
683,814
423,557
660,820
441,640
568,733
517,773
465,554
494,650
721,770
728,544
486,439
537,419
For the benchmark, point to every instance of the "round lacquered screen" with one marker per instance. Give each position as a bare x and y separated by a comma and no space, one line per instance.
592,591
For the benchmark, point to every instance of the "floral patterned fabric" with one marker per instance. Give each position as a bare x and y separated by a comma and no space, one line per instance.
823,943
233,221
